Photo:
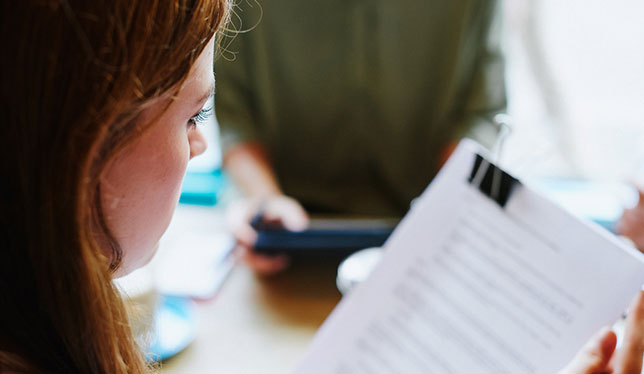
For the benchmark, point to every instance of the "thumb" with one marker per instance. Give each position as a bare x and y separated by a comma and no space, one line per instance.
289,212
629,357
595,356
295,218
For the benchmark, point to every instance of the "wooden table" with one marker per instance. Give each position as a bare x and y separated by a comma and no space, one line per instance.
260,324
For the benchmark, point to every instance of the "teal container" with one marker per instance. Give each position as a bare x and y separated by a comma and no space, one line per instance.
202,188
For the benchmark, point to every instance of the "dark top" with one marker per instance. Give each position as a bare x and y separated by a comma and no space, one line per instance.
355,99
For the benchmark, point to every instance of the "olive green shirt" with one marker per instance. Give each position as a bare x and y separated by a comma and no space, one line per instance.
355,99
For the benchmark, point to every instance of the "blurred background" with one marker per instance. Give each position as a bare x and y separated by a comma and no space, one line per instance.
575,79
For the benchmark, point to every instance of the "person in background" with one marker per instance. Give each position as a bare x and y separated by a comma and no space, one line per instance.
350,108
94,146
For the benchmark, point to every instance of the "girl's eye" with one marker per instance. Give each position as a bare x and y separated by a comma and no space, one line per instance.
201,117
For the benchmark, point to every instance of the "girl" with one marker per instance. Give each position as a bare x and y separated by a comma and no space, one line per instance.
99,107
101,100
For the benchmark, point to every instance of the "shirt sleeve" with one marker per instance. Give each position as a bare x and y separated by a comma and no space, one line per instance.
487,93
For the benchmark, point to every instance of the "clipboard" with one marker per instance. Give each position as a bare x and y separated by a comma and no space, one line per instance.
483,275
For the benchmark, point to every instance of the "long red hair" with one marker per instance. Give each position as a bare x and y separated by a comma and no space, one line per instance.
75,76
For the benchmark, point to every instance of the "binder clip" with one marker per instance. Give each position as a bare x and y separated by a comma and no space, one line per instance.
489,178
492,181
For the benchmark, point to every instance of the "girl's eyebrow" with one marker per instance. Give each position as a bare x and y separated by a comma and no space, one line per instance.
208,94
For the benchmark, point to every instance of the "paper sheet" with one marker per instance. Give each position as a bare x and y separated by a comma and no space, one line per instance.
467,286
194,254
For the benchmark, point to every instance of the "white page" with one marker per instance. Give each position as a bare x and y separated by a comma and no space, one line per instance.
194,256
466,286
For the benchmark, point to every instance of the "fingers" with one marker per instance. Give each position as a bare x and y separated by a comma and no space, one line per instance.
631,223
594,357
262,264
238,218
628,360
279,209
631,220
288,212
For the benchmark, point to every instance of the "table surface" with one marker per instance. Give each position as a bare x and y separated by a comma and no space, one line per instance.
260,324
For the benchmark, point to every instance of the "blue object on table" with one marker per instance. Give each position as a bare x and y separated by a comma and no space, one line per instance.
340,236
175,327
202,188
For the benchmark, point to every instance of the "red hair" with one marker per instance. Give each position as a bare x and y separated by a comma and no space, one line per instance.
75,76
